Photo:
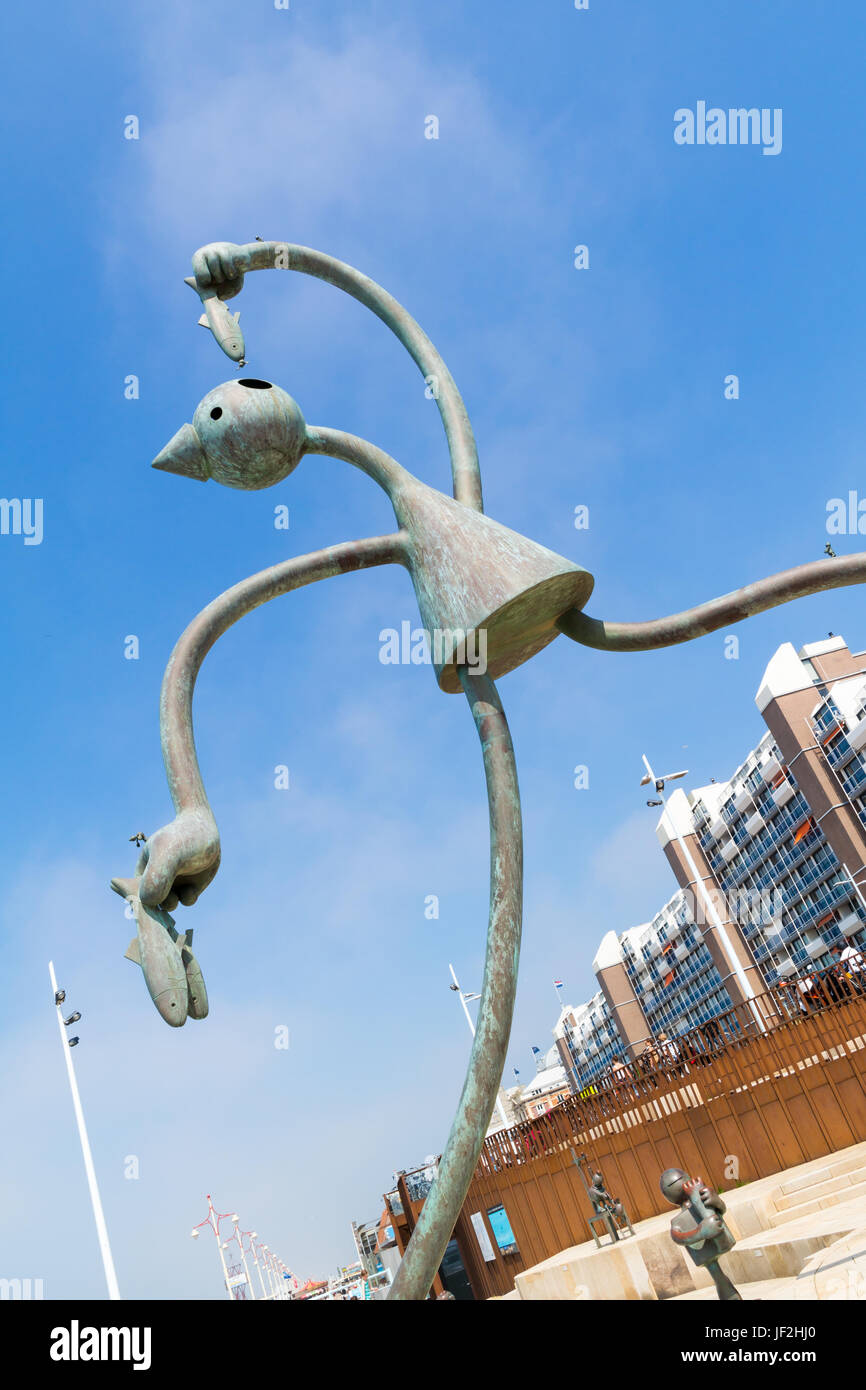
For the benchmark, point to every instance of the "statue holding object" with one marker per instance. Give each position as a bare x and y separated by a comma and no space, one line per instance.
699,1228
471,576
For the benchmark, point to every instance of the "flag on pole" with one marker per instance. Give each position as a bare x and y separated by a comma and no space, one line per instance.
557,984
516,1072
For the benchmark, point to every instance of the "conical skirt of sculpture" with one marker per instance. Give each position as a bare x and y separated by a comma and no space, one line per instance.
489,597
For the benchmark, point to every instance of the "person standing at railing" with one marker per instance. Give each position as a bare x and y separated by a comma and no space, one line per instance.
621,1075
810,999
670,1054
649,1063
852,963
791,999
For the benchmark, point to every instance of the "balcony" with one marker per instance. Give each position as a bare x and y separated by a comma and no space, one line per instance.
855,780
850,924
857,734
729,851
742,798
718,828
682,950
815,948
783,793
770,768
754,823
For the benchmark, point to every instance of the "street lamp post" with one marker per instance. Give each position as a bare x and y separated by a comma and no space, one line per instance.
727,946
463,1000
239,1236
239,1239
252,1235
67,1044
266,1261
213,1219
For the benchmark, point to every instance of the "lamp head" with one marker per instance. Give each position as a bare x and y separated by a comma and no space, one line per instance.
246,434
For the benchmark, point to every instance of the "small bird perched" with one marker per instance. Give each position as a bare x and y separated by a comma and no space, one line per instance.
138,838
828,550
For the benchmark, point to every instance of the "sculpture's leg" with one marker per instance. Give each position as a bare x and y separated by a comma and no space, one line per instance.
727,1291
813,578
487,1061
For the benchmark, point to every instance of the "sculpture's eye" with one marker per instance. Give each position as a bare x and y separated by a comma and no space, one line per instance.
216,412
255,383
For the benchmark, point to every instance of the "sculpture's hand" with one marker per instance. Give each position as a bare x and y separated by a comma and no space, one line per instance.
220,266
711,1227
178,862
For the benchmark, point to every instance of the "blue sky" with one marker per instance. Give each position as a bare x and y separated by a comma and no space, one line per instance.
602,387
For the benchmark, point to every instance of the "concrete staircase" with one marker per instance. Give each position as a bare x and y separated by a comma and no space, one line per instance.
836,1181
800,1234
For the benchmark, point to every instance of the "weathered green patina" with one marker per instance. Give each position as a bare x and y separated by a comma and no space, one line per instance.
474,579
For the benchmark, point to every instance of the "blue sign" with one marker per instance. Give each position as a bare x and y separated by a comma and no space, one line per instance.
501,1228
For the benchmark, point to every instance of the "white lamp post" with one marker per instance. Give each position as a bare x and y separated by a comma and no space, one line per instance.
463,998
253,1235
212,1220
67,1044
243,1257
266,1260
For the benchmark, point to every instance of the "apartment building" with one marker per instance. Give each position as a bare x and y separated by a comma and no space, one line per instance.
771,867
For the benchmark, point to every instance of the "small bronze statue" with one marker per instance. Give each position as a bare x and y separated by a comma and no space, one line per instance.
607,1209
698,1225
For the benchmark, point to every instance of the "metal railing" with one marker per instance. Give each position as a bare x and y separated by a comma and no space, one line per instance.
714,1055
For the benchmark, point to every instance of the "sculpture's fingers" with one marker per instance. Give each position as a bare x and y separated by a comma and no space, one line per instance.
214,263
159,874
190,890
201,268
231,285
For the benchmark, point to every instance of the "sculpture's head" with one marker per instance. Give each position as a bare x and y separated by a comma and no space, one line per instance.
246,434
671,1184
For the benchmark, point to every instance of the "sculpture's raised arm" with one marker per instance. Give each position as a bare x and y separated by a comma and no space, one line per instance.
813,578
219,268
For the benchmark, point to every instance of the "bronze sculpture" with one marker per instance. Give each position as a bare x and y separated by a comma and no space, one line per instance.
698,1227
470,575
607,1209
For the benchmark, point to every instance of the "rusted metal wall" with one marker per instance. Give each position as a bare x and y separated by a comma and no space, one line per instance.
770,1099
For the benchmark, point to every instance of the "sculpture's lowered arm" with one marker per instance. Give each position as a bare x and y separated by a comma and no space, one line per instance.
179,861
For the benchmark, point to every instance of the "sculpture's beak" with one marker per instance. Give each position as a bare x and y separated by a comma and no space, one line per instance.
184,455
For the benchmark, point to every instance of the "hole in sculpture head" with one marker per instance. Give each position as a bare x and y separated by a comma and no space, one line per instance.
254,383
216,412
